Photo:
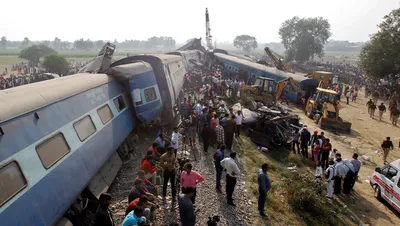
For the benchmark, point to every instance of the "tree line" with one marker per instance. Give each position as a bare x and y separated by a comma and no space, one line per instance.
162,42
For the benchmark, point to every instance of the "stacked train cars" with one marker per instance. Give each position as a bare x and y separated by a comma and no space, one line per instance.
233,64
58,138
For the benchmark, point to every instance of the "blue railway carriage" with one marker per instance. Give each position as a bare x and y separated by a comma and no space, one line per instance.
169,71
189,57
139,80
233,64
58,142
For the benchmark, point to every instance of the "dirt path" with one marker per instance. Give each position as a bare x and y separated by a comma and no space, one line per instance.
365,138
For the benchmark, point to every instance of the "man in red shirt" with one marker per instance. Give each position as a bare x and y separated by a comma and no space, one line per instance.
148,186
144,203
149,168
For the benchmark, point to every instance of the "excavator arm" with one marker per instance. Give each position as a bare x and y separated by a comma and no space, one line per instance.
282,84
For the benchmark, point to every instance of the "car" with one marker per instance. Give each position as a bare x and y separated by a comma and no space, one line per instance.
386,184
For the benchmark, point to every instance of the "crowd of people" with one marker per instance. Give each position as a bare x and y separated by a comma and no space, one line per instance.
25,73
327,159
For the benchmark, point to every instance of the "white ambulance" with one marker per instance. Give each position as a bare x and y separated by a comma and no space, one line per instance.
386,183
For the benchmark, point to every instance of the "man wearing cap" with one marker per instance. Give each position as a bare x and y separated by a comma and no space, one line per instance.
232,172
103,214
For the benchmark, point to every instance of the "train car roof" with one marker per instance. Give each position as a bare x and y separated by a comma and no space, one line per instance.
125,71
165,58
23,99
184,52
323,72
261,67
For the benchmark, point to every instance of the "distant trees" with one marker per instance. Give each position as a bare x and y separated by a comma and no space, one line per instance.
3,42
245,42
25,43
304,38
35,52
55,63
160,42
82,44
380,57
56,43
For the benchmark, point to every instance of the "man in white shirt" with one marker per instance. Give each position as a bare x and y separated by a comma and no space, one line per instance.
340,172
175,140
239,119
232,172
330,172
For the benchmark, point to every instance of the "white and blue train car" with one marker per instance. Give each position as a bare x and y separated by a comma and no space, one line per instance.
190,57
156,96
58,138
233,64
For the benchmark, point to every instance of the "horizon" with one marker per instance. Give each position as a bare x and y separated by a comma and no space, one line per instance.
351,20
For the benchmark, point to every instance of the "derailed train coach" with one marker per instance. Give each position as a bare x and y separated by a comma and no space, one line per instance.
59,138
58,142
191,58
156,94
233,64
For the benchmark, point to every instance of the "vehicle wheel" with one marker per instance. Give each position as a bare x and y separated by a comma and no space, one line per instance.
377,192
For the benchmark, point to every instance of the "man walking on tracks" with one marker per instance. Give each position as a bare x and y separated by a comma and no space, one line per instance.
264,185
382,109
168,162
218,157
387,145
192,128
232,172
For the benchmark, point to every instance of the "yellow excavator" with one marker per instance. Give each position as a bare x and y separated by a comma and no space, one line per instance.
267,90
324,108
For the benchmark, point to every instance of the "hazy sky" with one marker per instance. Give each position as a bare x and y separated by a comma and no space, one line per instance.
352,20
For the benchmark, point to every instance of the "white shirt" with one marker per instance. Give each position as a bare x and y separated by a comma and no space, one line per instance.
318,171
231,167
239,119
331,171
175,140
198,108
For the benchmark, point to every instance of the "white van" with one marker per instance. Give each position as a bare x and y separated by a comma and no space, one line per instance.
386,183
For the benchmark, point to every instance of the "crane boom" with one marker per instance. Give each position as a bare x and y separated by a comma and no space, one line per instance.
278,62
208,31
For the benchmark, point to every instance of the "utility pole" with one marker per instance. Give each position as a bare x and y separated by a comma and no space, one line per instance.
208,32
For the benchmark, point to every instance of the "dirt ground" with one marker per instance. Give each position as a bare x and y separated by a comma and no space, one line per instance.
365,139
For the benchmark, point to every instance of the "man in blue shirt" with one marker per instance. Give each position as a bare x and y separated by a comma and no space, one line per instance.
134,218
186,209
264,185
218,156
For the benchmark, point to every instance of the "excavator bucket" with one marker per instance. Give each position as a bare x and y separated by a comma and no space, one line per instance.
335,125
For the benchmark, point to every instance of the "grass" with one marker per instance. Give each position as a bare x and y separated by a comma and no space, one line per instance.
294,198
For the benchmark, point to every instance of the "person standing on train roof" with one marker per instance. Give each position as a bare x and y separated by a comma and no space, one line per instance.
103,214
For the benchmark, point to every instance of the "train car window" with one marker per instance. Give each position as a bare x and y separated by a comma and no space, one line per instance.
12,181
84,128
52,150
105,114
150,94
119,103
